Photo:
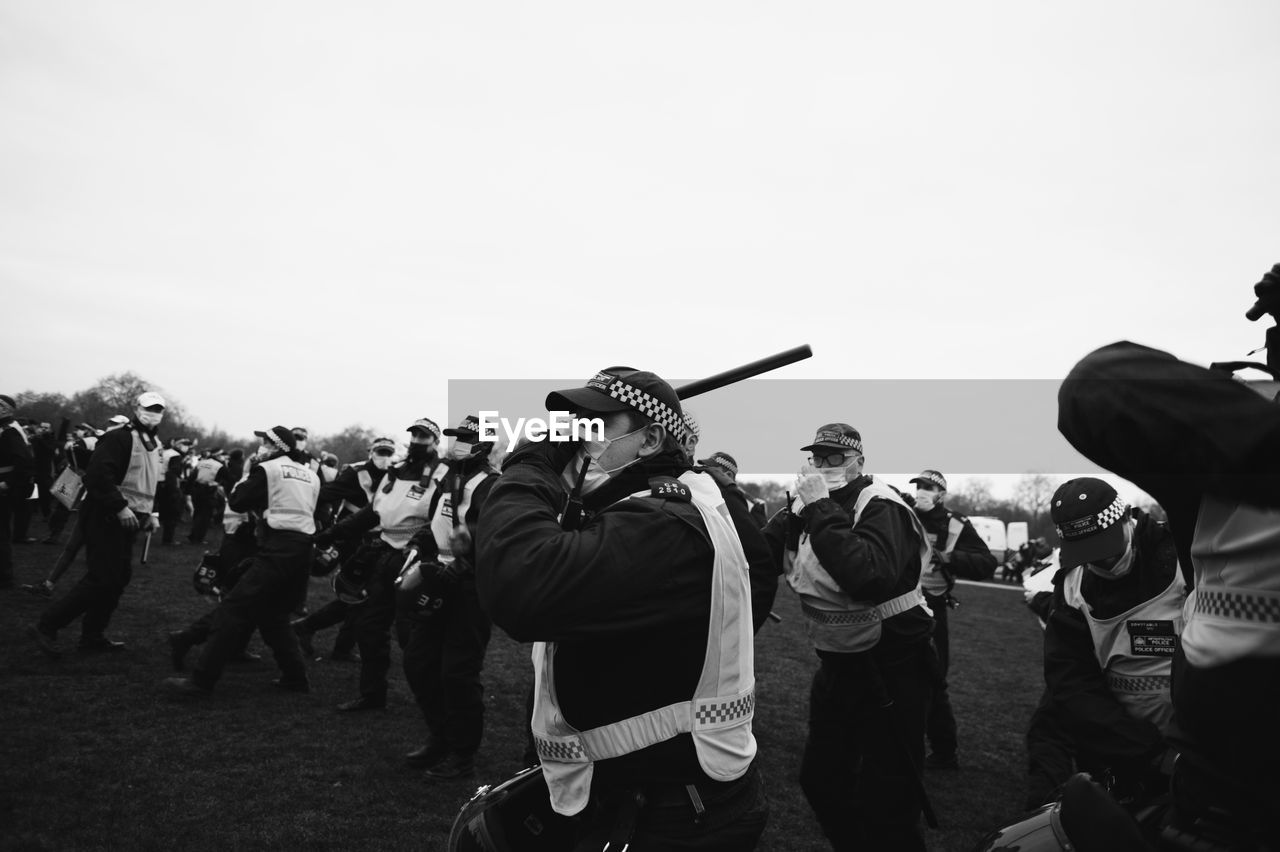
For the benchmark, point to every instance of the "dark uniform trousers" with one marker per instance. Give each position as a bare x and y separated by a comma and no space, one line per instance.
236,547
941,727
6,541
854,771
275,581
373,620
202,511
169,505
443,658
108,549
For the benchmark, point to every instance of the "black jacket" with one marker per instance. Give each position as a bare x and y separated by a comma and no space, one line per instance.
626,596
971,559
108,465
15,454
876,560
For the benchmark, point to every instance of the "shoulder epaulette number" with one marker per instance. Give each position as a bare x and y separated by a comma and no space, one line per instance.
669,488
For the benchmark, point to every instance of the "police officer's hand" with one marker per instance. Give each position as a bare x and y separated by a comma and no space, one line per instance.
149,524
127,519
460,540
811,486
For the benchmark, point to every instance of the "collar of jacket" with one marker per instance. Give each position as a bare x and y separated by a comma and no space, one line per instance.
670,462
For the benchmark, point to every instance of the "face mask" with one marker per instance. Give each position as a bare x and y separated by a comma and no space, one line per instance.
418,452
1123,565
381,462
460,450
302,444
926,500
264,452
150,419
596,474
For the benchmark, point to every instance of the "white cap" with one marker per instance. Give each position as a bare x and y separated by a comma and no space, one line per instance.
119,420
150,398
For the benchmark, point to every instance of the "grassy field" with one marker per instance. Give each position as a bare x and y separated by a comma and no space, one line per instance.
94,758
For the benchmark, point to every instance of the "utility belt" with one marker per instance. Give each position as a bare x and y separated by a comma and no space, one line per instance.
622,807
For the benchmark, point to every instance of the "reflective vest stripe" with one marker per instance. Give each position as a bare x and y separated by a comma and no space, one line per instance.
1236,606
1261,605
1151,683
888,609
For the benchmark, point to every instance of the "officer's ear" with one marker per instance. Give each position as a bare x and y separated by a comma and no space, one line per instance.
654,438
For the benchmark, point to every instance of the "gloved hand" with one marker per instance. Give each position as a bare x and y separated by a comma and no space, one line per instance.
450,574
324,540
1268,293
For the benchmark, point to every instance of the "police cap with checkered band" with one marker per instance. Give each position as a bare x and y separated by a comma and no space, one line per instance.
624,389
1089,517
836,436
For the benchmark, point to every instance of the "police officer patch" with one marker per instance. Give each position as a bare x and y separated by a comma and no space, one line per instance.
669,488
1151,638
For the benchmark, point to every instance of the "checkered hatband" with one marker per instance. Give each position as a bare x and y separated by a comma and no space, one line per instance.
1113,513
650,406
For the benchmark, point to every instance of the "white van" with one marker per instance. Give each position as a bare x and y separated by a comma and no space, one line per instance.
992,531
1016,534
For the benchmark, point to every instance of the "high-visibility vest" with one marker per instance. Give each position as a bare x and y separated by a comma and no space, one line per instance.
142,476
365,479
934,580
442,521
292,491
1135,648
207,471
1234,611
718,716
406,507
833,619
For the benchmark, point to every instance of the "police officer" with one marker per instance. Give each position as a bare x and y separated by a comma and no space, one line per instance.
169,496
282,489
78,452
120,485
854,553
350,491
17,471
203,488
957,551
642,723
401,506
1111,633
1205,447
444,645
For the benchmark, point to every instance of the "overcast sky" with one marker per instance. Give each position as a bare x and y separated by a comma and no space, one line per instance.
318,213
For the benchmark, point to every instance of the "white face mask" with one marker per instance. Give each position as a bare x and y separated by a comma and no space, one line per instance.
381,462
597,475
926,500
302,444
460,449
264,451
150,419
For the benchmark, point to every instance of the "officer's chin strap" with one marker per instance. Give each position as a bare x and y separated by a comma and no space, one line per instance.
573,507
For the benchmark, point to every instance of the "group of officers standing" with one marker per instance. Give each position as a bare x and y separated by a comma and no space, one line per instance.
641,578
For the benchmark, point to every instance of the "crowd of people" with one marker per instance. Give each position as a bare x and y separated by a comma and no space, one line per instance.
641,574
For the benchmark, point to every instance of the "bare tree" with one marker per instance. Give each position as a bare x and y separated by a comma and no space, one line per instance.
976,496
1032,494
